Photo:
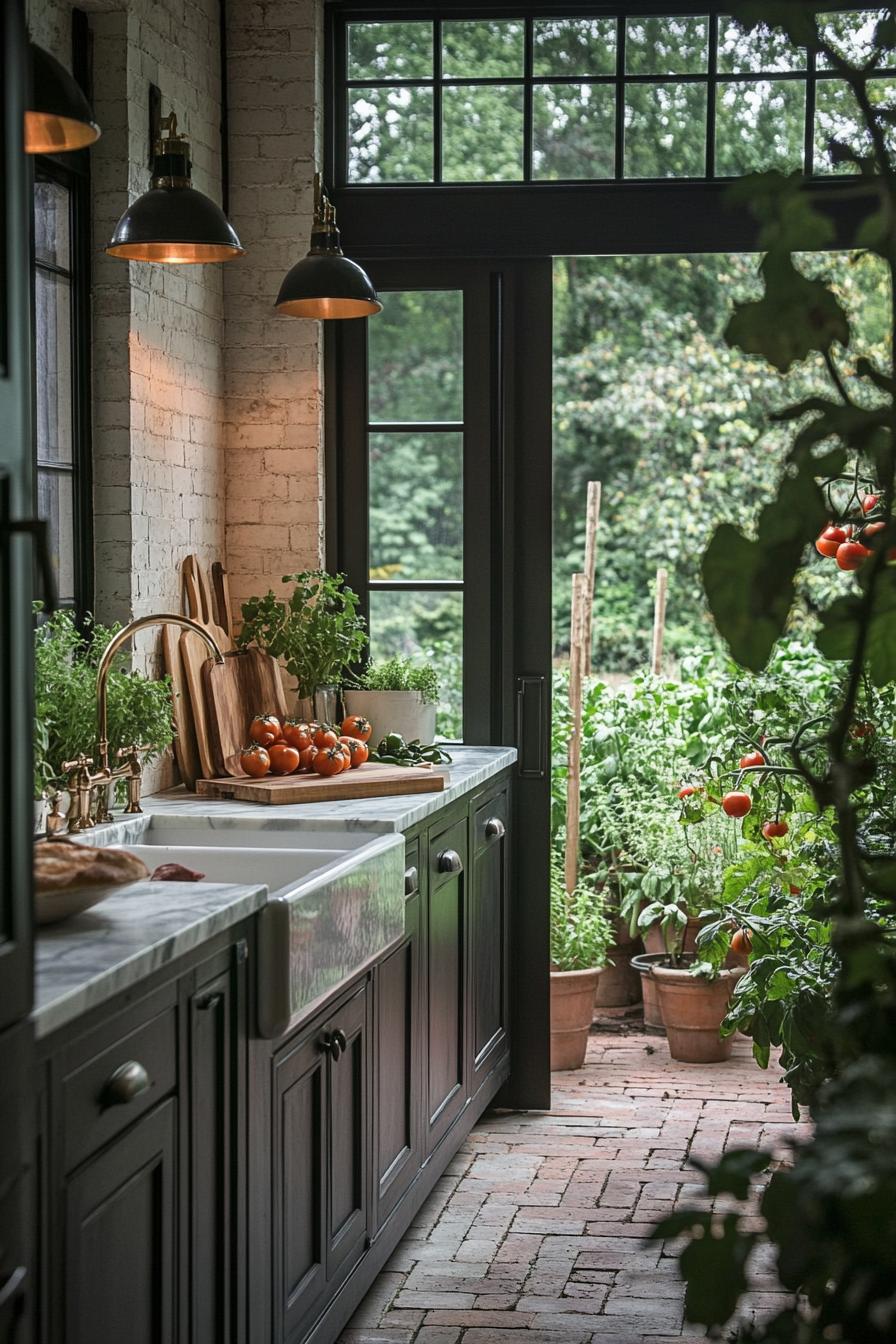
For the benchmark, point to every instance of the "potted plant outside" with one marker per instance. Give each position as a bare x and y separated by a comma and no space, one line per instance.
317,634
581,935
397,695
693,1000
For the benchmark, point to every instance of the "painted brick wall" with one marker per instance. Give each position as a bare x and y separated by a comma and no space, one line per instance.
272,370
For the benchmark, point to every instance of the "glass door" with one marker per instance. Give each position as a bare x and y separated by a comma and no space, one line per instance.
439,499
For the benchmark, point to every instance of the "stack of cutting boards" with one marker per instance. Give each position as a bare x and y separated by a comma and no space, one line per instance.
214,703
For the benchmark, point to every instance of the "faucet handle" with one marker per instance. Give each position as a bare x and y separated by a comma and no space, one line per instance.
82,762
130,753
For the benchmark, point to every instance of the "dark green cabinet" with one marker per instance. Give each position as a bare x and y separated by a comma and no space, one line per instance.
489,996
120,1246
446,980
320,1166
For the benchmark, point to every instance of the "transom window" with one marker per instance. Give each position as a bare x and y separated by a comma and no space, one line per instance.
530,99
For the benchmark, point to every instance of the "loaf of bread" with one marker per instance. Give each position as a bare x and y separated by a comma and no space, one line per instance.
64,865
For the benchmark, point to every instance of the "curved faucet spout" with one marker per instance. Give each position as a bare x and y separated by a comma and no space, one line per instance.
102,672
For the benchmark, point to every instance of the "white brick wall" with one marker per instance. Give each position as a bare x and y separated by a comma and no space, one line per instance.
207,404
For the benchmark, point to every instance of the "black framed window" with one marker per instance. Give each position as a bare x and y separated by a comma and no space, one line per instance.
578,98
61,393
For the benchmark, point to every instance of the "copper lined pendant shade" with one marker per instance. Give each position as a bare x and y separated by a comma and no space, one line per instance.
326,284
174,223
58,118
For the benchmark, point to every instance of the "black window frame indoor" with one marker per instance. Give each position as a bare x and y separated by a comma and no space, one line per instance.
338,83
72,172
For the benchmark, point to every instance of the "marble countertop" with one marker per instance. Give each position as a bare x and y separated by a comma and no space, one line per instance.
89,958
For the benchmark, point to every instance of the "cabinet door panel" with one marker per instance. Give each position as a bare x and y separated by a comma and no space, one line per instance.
120,1238
446,1009
489,936
348,1167
211,1156
299,1146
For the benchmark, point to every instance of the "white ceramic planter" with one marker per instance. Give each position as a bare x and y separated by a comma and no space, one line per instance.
402,712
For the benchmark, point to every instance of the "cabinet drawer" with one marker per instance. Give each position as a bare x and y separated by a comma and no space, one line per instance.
490,822
112,1088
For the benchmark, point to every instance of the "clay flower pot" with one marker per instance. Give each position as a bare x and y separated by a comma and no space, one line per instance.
572,1008
692,1009
653,1014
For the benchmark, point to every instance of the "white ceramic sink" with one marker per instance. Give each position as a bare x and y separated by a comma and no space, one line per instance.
246,833
278,869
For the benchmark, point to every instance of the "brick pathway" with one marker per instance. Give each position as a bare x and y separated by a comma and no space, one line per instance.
537,1232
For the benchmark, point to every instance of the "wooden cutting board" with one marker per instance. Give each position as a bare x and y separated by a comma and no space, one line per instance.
245,684
368,781
221,593
185,749
194,654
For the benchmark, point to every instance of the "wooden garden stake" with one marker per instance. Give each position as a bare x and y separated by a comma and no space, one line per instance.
659,621
574,754
592,519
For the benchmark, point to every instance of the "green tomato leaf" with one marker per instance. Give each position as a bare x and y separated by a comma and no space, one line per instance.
795,316
715,1269
841,623
732,1174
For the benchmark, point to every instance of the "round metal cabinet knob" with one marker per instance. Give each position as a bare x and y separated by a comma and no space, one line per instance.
128,1082
494,828
449,861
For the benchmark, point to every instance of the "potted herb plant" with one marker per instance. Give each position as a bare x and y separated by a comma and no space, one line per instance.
65,666
316,632
581,935
397,695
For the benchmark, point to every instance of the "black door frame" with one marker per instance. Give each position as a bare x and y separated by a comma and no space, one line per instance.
507,570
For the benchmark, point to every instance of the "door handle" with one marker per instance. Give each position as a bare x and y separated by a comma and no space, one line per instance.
14,1286
495,829
127,1083
449,861
531,727
411,881
333,1043
36,529
210,1001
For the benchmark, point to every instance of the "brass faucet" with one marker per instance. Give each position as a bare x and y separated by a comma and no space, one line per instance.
81,783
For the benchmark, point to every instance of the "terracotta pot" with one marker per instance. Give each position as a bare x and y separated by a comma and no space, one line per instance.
653,1014
655,940
572,1007
692,1010
691,929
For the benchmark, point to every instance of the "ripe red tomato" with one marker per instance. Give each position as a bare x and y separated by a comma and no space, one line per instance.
736,804
830,539
752,758
265,729
306,757
852,555
773,830
330,761
688,791
285,759
297,734
872,529
860,730
741,942
869,502
357,726
325,737
255,760
357,750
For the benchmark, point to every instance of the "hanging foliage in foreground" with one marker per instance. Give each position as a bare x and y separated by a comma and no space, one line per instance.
829,1214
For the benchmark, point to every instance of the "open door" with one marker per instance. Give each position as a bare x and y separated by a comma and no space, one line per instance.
439,497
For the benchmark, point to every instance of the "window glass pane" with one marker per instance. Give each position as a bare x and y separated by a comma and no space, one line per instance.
665,130
482,49
852,35
763,50
666,46
390,51
760,125
416,357
482,133
574,128
837,117
574,46
425,626
54,504
51,224
52,364
416,506
390,135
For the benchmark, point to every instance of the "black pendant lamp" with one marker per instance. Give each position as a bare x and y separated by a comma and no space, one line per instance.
173,222
326,284
58,118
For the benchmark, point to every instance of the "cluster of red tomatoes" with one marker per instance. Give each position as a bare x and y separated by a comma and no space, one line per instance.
848,544
292,747
737,802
